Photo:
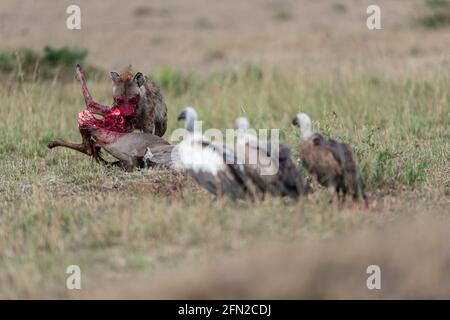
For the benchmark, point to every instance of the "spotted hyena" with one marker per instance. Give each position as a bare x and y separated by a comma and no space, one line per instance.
151,112
137,104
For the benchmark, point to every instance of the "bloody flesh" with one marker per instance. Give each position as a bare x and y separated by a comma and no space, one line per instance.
113,122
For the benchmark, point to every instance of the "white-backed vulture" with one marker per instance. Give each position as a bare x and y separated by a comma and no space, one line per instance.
330,161
212,165
270,171
161,156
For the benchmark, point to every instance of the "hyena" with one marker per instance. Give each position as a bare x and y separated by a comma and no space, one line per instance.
151,112
136,105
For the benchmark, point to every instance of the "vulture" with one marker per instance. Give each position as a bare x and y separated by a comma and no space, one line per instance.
212,165
161,156
271,172
330,161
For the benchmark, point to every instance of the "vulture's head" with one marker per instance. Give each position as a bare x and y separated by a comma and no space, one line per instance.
303,121
242,123
189,115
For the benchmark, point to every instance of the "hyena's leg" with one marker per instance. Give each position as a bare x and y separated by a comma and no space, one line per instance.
90,103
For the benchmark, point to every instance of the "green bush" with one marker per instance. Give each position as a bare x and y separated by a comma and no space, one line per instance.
440,14
10,59
415,172
173,80
52,63
438,3
64,56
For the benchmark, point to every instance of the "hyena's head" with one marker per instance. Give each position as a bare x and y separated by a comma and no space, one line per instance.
128,89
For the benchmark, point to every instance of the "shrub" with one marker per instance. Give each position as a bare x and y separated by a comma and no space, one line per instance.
64,56
173,80
440,14
53,63
10,59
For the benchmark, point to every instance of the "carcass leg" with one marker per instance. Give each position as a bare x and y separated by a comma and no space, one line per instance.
90,103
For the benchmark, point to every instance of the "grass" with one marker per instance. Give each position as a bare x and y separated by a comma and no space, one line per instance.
58,208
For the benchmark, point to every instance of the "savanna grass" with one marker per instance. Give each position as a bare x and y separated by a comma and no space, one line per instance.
58,207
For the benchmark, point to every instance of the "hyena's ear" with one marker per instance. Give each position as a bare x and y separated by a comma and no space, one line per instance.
114,76
139,78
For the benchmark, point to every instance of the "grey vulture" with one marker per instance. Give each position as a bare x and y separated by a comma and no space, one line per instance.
268,164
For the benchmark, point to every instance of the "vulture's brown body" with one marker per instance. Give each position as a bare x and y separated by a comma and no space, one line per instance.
330,161
333,164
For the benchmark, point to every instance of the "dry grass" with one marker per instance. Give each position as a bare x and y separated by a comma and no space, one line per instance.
59,208
385,92
412,255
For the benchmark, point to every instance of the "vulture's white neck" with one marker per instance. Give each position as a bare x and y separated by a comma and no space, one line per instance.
191,117
242,123
305,126
244,133
190,125
305,133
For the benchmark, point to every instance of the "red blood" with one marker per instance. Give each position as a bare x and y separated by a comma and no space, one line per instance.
103,136
114,122
119,118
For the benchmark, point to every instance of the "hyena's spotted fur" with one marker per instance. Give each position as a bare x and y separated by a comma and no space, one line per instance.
152,110
151,113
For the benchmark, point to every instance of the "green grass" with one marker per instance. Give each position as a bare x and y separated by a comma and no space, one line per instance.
59,208
51,64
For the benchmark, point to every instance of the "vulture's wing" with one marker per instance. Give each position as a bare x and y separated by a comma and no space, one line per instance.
235,175
259,165
328,160
294,182
209,168
350,164
288,180
340,151
161,156
343,153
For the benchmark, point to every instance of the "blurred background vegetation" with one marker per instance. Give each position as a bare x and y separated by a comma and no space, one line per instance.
439,16
52,63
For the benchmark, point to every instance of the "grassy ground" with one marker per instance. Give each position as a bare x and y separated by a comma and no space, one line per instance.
59,208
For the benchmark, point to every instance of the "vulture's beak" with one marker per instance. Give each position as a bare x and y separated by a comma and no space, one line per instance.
182,116
295,122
